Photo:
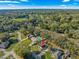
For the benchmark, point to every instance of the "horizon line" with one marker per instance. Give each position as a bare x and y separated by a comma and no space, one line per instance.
37,8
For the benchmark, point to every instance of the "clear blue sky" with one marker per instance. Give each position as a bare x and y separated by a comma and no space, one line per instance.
22,4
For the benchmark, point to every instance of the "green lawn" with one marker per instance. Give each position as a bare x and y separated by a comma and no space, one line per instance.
1,53
35,48
48,55
20,19
22,47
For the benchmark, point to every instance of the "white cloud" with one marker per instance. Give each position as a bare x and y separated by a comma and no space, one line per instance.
65,0
24,0
39,7
9,2
12,5
75,3
63,5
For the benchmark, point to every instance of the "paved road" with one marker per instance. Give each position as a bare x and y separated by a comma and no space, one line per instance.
3,50
19,36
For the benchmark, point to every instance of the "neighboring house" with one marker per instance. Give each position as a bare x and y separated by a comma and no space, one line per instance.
57,53
29,35
4,43
37,55
68,55
60,55
4,40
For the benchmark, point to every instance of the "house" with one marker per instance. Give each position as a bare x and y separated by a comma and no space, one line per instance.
43,44
34,39
39,39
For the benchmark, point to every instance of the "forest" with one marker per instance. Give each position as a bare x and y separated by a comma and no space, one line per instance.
62,26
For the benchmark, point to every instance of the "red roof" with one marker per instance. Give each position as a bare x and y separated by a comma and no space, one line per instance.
43,43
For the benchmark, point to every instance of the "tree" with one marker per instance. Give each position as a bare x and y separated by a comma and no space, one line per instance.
54,26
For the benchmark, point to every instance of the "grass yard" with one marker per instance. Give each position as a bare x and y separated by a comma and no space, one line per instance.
48,55
1,53
20,19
